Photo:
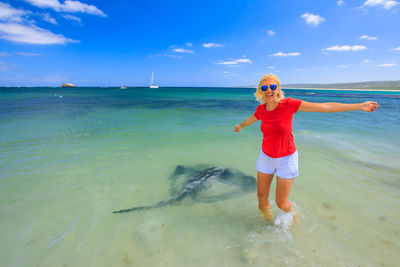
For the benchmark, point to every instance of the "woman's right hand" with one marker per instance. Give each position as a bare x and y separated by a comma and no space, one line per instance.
238,128
369,106
249,121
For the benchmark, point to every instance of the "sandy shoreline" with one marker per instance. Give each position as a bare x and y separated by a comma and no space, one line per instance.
347,89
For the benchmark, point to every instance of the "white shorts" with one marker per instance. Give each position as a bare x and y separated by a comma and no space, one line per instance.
284,167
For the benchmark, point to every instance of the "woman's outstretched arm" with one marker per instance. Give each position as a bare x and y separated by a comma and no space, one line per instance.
249,121
368,106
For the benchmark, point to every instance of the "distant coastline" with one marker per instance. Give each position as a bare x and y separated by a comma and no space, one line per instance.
391,86
341,89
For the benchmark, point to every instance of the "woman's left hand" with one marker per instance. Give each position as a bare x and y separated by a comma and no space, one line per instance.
237,128
369,106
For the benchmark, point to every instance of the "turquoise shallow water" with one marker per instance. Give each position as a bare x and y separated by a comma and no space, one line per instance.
69,157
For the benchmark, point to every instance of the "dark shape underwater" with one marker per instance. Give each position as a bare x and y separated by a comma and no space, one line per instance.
204,183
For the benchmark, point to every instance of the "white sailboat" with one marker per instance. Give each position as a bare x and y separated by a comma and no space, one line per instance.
152,84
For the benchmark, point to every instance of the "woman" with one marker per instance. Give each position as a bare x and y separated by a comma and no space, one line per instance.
278,154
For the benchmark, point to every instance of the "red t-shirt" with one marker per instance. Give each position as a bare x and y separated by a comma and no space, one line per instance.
276,126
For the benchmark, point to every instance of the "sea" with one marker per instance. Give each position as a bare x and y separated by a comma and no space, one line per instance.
70,157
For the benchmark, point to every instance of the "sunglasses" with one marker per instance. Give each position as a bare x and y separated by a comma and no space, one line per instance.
273,87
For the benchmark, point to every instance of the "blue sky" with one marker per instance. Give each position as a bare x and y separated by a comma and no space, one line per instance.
197,43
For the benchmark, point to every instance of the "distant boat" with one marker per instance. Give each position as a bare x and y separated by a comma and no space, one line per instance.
152,85
68,85
123,87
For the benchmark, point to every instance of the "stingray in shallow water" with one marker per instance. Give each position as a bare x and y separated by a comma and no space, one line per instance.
203,183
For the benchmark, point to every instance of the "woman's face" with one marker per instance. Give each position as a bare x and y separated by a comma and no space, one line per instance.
270,95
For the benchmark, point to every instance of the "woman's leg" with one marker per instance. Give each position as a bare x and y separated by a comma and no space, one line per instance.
282,193
263,184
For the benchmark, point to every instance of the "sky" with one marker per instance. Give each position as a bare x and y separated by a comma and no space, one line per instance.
197,43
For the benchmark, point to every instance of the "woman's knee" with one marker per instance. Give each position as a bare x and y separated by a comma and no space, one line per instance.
283,204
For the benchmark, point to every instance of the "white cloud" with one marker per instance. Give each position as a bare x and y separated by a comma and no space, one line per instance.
211,45
386,65
30,34
370,38
271,32
27,54
366,61
396,49
67,6
4,66
340,3
188,44
344,66
15,27
244,60
229,74
183,50
166,55
73,18
229,62
281,54
8,13
346,48
234,61
387,4
48,18
271,67
312,19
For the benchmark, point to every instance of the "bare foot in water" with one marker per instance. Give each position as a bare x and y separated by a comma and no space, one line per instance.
296,218
267,215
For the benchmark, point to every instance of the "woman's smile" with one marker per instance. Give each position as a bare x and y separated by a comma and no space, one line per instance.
269,95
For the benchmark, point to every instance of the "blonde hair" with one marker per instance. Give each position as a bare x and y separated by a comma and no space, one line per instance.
259,94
